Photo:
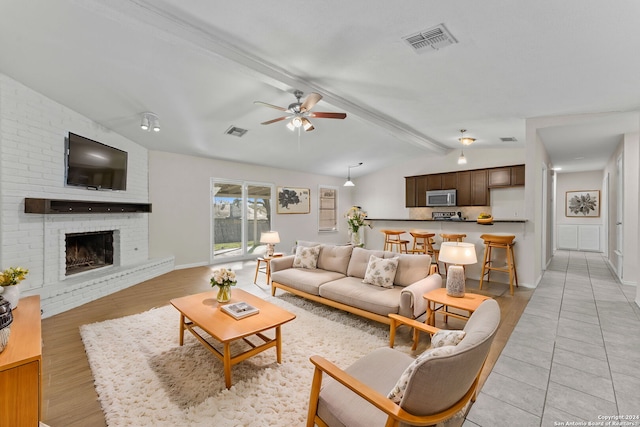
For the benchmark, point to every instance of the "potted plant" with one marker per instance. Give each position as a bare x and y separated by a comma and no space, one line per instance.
356,218
223,278
9,280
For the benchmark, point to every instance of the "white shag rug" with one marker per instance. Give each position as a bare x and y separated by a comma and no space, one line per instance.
143,377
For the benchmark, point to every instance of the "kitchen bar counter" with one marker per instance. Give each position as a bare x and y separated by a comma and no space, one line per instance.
374,238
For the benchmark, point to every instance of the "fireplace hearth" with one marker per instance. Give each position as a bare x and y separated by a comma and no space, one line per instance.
88,251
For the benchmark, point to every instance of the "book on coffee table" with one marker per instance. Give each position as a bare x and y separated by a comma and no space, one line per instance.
238,310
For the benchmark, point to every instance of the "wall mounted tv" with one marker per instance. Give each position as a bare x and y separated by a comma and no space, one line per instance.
93,165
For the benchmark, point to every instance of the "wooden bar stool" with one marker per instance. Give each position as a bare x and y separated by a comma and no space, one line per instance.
451,237
499,241
423,244
392,239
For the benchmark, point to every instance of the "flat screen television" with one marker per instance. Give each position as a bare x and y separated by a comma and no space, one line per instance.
93,165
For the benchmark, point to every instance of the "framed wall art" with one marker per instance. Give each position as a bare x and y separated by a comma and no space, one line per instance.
584,203
293,200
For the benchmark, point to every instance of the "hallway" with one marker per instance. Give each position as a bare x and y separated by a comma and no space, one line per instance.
574,356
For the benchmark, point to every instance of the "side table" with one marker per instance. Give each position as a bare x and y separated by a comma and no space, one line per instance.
438,300
266,260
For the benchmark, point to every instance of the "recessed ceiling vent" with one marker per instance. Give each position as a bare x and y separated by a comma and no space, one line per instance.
508,139
432,39
235,131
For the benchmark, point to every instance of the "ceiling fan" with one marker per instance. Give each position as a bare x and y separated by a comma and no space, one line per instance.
300,112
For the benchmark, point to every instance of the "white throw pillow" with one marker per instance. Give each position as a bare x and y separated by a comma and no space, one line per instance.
446,337
306,257
381,272
397,392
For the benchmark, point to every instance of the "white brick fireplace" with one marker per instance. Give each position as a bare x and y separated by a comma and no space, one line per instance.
32,152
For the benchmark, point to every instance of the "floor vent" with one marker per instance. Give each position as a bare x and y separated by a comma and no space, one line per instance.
235,131
508,139
429,40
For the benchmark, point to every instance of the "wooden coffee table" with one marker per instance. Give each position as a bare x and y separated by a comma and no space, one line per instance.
469,303
202,311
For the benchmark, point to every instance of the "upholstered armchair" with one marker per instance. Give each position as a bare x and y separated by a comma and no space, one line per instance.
391,388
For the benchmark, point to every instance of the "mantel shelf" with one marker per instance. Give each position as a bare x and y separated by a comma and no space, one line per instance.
54,206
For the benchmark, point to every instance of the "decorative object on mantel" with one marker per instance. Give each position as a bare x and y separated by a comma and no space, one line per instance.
9,280
457,254
6,318
293,200
485,219
356,220
583,203
224,279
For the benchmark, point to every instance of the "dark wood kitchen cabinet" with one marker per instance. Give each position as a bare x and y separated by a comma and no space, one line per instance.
442,181
510,176
472,188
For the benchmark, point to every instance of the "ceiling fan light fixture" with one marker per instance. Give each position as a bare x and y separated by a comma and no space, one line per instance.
306,124
290,126
296,122
465,140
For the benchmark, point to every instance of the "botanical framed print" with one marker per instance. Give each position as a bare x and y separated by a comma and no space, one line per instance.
583,203
293,200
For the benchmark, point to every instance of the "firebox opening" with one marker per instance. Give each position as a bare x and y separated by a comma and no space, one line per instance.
88,251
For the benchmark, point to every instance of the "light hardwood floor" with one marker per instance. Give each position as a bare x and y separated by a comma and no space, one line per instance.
69,397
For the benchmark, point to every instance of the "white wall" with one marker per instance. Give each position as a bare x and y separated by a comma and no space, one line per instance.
180,193
32,158
631,217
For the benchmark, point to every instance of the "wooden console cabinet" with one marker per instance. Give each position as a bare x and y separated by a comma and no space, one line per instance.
20,367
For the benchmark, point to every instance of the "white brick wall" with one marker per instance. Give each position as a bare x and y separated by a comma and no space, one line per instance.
32,164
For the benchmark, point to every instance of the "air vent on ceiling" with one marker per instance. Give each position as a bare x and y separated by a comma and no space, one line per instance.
508,139
235,131
432,39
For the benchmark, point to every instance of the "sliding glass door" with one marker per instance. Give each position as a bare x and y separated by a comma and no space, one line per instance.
241,212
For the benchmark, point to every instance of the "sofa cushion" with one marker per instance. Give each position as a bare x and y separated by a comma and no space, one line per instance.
411,268
335,258
446,337
380,271
360,260
397,392
304,279
351,291
306,257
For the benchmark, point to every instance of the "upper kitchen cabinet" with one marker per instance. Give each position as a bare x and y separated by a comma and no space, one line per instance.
472,188
509,176
442,181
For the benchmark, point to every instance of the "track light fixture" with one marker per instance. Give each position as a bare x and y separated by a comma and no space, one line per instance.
350,183
150,122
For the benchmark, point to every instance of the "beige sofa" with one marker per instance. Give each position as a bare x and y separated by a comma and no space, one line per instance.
337,281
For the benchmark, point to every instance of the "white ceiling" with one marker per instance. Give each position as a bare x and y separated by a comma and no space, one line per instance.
199,65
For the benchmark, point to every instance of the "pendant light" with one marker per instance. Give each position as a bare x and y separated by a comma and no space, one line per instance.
350,183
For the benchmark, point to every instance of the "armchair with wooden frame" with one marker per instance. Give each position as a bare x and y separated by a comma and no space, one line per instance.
436,389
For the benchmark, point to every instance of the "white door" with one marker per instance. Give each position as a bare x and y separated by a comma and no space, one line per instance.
619,215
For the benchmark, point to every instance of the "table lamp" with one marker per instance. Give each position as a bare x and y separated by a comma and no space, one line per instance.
270,238
457,254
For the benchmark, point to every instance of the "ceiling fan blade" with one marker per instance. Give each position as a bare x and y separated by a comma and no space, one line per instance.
328,115
270,105
311,100
275,120
306,125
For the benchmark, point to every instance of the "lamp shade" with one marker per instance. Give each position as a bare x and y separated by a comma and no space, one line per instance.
270,237
458,253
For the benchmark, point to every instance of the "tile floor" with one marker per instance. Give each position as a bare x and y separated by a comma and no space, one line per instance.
574,356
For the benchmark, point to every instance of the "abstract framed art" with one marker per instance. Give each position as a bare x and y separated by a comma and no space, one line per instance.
584,203
293,200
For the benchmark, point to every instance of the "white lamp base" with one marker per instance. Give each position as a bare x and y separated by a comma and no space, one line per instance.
455,281
270,249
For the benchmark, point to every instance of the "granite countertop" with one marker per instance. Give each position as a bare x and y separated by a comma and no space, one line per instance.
502,220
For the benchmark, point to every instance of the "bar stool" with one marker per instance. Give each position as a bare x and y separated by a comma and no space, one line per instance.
392,238
451,237
423,244
499,241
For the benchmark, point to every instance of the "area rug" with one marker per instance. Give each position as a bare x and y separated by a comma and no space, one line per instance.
143,377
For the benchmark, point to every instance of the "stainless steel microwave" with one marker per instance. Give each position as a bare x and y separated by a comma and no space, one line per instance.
441,197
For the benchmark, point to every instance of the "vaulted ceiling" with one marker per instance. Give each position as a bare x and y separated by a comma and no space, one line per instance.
200,65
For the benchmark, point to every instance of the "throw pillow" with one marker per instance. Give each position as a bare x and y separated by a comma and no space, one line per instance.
445,337
381,272
306,257
397,392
